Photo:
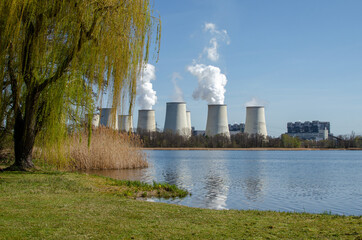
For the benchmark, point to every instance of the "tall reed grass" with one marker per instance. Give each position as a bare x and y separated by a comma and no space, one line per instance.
108,149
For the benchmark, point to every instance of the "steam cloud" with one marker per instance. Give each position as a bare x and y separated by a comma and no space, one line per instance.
212,50
146,95
178,95
211,83
254,102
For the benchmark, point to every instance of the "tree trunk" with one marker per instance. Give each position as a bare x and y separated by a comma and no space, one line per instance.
25,130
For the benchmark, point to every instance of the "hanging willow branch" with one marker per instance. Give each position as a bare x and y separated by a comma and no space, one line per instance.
56,53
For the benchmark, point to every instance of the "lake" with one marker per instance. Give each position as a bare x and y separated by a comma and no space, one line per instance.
292,181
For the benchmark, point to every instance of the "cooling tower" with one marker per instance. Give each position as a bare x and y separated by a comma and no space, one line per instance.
125,123
107,119
255,121
146,121
176,120
188,119
217,120
95,120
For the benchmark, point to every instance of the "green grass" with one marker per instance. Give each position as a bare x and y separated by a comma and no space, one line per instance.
57,205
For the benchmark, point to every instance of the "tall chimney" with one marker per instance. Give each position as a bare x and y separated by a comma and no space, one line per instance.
146,121
95,120
176,120
255,120
217,120
108,119
188,119
125,123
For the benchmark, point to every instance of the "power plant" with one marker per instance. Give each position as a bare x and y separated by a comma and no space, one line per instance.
95,120
125,123
176,120
146,121
217,120
108,119
255,120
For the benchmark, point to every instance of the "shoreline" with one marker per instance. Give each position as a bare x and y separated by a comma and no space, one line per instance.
252,149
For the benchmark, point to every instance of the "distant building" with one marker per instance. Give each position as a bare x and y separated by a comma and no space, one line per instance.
195,132
314,130
236,128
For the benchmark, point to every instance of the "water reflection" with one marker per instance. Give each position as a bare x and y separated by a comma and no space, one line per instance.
216,182
266,180
253,183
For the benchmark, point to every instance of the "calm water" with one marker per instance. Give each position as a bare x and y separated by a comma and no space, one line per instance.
294,181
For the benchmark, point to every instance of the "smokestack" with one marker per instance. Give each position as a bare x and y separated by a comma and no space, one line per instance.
176,120
107,119
125,123
217,120
255,120
95,120
146,121
188,119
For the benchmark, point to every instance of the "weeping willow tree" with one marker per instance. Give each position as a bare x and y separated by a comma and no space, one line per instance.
55,55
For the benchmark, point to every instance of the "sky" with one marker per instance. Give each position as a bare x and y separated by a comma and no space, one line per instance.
302,60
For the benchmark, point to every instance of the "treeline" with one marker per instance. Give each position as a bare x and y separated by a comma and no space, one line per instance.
243,140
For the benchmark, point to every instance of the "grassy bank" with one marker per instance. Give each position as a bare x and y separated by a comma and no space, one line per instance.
54,205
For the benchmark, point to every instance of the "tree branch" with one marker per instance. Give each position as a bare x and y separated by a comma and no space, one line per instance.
14,84
84,36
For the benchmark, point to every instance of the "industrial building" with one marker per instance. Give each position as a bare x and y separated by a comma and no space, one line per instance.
236,128
177,120
146,121
217,121
255,121
314,130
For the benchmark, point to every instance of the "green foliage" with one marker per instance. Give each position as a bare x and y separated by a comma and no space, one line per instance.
290,142
57,57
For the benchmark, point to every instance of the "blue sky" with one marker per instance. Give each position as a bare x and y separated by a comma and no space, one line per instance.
302,59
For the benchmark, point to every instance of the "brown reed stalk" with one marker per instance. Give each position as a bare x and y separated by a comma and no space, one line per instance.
109,149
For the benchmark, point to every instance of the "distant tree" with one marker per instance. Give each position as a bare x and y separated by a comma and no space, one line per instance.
290,142
54,53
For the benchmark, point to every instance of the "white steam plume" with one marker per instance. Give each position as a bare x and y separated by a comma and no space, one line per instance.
178,95
212,49
255,102
146,95
211,85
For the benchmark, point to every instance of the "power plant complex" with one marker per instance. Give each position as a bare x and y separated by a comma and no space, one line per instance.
178,120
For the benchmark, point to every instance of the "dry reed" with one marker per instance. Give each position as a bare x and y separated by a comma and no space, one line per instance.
108,149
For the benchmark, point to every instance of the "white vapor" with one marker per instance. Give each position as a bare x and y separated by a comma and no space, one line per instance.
146,95
212,49
211,83
254,102
178,95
